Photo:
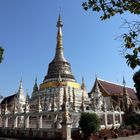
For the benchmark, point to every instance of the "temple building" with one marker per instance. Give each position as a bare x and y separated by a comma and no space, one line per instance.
47,99
114,95
60,96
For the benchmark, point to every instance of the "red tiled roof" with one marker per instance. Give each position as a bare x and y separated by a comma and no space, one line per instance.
115,89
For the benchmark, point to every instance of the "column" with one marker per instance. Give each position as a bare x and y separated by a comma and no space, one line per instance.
105,115
66,122
3,121
6,122
15,121
37,122
120,118
113,118
26,122
40,121
66,131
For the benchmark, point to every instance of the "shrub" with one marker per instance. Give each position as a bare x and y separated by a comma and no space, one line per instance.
89,123
133,120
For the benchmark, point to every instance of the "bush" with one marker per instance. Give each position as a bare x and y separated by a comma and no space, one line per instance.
136,79
133,120
89,123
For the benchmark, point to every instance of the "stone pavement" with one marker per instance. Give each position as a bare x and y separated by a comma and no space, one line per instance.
6,139
135,137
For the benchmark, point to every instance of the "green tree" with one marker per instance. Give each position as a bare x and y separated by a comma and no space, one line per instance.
1,54
89,123
136,79
130,40
132,120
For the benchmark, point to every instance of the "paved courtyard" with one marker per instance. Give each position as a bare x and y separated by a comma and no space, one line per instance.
136,137
7,139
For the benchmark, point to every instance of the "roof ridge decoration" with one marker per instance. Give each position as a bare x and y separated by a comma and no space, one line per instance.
20,90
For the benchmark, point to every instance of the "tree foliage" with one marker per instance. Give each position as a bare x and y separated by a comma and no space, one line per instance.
1,54
109,8
89,123
132,120
136,79
131,43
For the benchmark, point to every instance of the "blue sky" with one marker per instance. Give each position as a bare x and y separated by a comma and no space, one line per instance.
28,35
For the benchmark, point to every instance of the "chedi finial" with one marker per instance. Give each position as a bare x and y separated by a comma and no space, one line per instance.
59,33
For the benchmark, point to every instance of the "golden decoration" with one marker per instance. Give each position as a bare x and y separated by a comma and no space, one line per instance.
59,84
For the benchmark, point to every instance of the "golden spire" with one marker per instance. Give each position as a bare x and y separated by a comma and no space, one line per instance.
59,54
59,33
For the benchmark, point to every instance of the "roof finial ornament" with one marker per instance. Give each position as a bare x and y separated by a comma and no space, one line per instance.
59,22
83,86
36,79
59,32
124,88
21,80
124,81
20,86
59,10
27,96
35,88
20,91
96,77
97,89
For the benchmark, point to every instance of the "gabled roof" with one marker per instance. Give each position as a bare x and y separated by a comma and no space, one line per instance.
8,99
114,89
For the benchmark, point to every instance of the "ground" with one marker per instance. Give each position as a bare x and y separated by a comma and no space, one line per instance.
136,137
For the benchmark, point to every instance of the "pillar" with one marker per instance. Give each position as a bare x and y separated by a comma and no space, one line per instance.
66,123
40,121
113,119
6,122
120,118
15,121
3,121
26,122
66,131
105,117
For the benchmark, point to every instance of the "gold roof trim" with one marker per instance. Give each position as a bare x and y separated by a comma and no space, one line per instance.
59,84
